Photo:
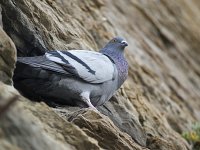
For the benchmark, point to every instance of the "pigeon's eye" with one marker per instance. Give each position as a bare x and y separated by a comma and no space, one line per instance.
114,40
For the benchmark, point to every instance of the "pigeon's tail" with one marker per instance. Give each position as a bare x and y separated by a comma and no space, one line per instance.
36,61
41,62
29,75
35,82
26,67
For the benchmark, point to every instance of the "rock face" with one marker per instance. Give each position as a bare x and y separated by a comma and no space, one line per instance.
7,57
159,100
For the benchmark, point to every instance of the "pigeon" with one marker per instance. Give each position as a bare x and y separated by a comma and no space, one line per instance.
75,77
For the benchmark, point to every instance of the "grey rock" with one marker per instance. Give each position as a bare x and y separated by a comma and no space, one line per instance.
22,32
124,119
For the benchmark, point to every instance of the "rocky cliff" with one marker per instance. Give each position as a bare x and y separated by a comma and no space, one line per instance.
159,100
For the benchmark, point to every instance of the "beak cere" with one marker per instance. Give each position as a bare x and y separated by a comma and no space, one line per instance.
124,43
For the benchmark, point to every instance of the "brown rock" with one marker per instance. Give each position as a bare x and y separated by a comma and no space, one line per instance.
42,26
124,118
7,57
160,99
1,23
34,126
8,146
103,130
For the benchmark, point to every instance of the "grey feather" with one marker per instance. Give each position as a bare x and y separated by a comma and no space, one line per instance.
92,67
42,62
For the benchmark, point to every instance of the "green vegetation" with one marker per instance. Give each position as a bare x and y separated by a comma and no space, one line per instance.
193,136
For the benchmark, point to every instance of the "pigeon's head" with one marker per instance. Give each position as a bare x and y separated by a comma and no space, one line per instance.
114,47
117,42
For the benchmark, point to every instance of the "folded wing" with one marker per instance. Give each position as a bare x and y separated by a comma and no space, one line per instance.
90,66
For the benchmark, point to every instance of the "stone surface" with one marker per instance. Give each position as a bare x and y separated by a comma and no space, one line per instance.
7,57
124,118
1,23
19,129
99,127
42,26
33,126
159,100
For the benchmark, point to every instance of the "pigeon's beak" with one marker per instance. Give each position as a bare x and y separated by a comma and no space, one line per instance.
124,43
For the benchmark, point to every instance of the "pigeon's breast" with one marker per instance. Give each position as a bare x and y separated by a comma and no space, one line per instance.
122,67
